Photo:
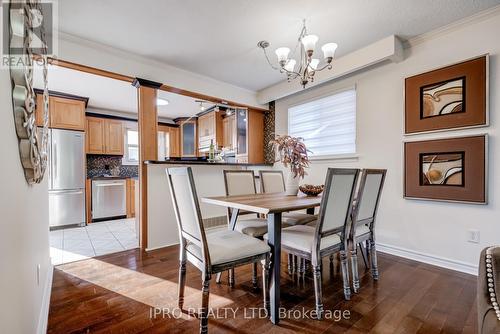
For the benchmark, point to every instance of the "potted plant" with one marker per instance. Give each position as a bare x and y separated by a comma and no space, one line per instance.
292,153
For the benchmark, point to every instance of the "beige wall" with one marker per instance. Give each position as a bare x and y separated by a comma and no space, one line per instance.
434,232
24,232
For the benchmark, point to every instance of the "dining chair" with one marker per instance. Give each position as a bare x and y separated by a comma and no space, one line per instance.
272,181
212,252
363,220
331,233
242,182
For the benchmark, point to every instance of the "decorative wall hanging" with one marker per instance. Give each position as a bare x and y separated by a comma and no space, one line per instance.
452,169
451,97
24,18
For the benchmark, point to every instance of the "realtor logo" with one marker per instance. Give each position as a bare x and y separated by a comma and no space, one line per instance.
27,29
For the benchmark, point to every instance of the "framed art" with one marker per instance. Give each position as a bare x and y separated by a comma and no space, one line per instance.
450,169
451,97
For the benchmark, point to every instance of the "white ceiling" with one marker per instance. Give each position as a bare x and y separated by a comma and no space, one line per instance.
111,94
218,38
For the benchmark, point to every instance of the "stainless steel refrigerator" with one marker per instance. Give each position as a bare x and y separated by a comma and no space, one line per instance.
66,178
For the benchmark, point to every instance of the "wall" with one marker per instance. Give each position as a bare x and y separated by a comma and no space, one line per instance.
24,236
97,55
434,232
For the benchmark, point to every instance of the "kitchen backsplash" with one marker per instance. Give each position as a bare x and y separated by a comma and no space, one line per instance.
97,164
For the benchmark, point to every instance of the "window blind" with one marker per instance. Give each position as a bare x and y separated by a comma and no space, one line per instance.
328,124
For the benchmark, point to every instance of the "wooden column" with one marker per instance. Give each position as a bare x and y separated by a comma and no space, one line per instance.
148,146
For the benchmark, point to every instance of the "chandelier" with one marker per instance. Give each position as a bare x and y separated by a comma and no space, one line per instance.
307,65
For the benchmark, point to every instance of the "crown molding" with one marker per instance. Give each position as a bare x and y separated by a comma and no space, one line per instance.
449,28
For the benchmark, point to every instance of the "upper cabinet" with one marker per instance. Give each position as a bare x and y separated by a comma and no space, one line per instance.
189,138
249,136
229,133
210,131
65,111
104,136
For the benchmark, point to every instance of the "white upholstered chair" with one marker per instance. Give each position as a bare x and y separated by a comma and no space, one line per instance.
363,220
272,181
213,252
331,233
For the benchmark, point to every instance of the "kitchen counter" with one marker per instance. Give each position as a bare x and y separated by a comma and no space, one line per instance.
197,162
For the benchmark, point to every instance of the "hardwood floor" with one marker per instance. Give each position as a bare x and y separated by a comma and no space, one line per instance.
116,294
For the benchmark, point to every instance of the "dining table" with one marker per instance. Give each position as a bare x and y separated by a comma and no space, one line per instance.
273,206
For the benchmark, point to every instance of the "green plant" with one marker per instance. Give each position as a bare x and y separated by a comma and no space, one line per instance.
292,152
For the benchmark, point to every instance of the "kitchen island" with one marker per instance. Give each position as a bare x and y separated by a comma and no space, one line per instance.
209,180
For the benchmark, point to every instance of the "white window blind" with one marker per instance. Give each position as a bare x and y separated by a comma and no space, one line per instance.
131,156
328,124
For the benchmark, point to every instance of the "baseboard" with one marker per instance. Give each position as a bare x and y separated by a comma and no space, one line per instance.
428,258
44,311
162,246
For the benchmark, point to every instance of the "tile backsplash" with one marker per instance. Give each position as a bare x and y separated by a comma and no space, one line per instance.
99,165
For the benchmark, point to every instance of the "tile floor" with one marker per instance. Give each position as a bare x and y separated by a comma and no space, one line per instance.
100,238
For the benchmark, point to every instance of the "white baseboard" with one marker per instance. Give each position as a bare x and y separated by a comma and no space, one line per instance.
162,246
44,311
428,258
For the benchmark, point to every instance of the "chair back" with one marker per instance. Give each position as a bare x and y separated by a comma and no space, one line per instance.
272,181
187,208
370,188
239,182
336,204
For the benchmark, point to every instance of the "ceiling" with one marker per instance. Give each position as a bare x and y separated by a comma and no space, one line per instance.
218,38
110,94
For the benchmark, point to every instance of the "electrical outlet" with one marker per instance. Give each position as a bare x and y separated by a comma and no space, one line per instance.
473,236
38,275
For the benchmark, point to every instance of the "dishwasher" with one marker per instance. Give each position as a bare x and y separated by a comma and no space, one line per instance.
108,199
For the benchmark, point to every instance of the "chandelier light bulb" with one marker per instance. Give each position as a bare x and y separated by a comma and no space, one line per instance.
314,64
329,50
290,65
282,54
309,42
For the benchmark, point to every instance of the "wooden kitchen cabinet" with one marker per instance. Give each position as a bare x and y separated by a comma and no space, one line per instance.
114,139
188,137
249,136
210,130
104,136
175,142
65,112
229,133
130,197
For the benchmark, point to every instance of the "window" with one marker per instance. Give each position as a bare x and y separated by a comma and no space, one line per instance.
163,145
328,124
131,156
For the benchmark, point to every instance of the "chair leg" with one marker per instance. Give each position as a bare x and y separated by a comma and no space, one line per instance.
363,250
218,278
354,265
295,263
265,283
182,282
254,275
345,275
373,258
290,264
231,277
204,305
300,266
317,291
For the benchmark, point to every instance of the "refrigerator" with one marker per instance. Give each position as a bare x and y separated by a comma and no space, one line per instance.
66,178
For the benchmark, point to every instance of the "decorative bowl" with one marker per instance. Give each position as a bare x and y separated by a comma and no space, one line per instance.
311,190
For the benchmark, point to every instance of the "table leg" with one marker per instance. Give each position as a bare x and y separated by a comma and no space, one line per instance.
274,232
310,211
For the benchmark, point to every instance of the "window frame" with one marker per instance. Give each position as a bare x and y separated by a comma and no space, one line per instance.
343,156
125,159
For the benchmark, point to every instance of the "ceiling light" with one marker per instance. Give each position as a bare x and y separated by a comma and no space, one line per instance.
161,102
307,65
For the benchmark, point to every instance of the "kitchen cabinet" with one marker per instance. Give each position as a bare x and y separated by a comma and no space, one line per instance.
249,136
168,142
229,133
130,198
64,112
209,130
189,138
104,136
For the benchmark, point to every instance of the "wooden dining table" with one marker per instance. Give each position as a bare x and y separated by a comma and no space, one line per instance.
272,205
